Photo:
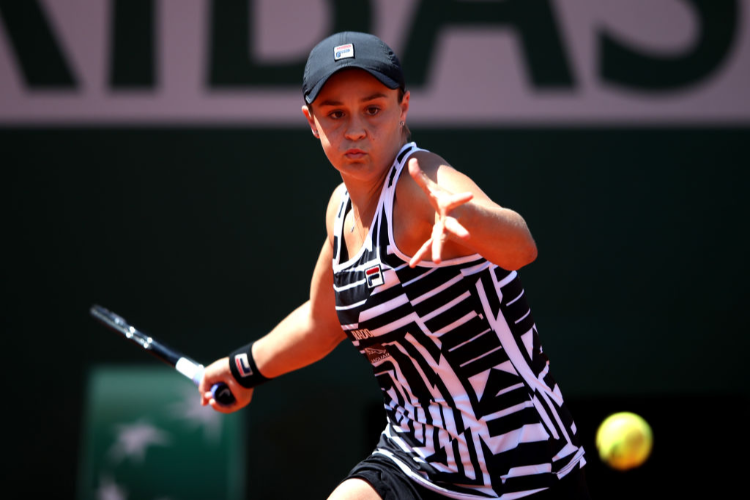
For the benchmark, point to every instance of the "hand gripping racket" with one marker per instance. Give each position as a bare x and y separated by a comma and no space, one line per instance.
186,366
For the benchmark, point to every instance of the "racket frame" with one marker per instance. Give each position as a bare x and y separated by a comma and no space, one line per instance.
183,364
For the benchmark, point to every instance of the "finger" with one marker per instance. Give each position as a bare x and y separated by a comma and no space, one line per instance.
220,408
438,233
455,228
420,253
204,388
437,250
235,387
206,398
458,199
419,176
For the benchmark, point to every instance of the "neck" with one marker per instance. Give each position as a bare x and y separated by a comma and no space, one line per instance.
365,196
363,208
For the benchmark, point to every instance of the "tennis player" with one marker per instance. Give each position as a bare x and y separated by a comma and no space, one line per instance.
419,272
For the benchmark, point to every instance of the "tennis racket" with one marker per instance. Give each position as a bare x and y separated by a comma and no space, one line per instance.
186,366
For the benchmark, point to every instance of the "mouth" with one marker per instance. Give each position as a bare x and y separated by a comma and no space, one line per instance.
354,154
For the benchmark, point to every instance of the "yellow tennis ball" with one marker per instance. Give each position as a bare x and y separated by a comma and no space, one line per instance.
624,440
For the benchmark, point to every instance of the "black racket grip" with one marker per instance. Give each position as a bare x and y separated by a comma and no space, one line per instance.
222,394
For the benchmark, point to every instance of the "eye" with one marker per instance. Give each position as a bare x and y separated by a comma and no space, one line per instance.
372,110
336,114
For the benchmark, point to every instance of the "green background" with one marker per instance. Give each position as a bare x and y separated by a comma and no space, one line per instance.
154,443
206,237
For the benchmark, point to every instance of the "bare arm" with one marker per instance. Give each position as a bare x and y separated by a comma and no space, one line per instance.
305,336
309,333
453,217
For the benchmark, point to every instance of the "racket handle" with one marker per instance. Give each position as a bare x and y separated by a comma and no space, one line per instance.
220,391
222,394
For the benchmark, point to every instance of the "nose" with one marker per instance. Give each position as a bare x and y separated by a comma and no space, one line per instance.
355,128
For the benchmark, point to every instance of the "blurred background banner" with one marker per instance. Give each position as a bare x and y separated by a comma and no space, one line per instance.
466,62
155,161
147,436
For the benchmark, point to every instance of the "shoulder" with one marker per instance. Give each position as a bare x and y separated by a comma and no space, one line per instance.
437,168
333,206
335,199
439,171
413,205
428,161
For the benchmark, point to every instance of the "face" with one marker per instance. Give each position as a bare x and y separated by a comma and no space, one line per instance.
357,120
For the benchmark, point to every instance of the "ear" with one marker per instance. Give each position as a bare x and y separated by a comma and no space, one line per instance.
405,106
310,120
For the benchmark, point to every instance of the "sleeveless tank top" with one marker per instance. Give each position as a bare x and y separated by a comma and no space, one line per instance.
472,409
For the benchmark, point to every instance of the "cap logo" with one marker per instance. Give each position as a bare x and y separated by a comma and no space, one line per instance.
343,51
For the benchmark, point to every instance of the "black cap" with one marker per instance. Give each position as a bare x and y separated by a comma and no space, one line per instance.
350,49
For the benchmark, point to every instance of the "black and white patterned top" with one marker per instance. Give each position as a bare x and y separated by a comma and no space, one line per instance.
472,409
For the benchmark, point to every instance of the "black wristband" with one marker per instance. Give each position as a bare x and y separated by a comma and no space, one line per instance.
244,369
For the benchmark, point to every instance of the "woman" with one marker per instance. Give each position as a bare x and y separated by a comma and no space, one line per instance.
418,271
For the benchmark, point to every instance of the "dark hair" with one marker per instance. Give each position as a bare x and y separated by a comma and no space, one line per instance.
407,132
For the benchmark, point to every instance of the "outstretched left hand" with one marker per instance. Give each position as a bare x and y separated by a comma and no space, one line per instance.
444,202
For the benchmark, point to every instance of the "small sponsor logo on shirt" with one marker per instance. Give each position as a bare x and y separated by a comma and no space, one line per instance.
343,51
243,366
376,353
374,276
361,334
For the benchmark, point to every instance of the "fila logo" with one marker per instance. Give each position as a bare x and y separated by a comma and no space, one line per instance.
374,276
243,366
343,51
361,334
